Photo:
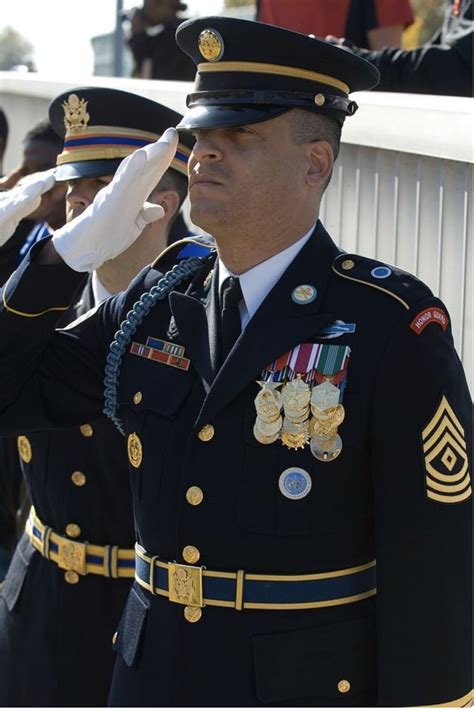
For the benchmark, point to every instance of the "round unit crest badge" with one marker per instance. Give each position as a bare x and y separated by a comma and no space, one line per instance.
305,293
295,483
211,45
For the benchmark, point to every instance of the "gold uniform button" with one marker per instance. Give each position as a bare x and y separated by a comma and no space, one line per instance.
343,686
348,264
79,478
192,614
71,577
87,430
206,433
137,398
114,638
24,448
194,495
73,530
191,554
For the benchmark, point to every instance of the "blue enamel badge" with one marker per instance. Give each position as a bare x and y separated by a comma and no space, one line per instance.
381,272
295,483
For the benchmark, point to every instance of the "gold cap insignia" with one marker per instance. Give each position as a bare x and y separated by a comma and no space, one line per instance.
75,113
319,99
211,45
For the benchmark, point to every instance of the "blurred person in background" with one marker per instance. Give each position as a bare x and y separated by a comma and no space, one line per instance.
58,609
368,23
441,66
153,45
41,148
3,137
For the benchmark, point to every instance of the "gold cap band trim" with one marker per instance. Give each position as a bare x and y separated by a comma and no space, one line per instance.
278,69
122,131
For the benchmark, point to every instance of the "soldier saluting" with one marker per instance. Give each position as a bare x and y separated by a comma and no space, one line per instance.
296,418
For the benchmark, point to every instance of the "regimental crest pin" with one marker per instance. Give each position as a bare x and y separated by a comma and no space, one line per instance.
75,113
295,483
211,45
447,477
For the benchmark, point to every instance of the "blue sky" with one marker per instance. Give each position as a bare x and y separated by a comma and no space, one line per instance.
60,30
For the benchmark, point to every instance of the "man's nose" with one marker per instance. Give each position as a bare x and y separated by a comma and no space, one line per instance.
206,148
78,196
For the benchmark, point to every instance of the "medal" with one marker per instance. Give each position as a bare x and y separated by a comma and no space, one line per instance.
268,428
264,439
326,449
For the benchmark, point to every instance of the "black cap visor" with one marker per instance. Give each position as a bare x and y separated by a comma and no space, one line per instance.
86,169
227,116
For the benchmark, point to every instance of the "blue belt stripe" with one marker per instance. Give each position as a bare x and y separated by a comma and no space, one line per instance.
90,559
268,592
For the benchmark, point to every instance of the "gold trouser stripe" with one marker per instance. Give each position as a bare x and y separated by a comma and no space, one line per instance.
49,536
464,702
278,69
379,288
27,315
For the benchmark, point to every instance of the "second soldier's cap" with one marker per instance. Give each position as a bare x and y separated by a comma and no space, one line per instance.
249,72
102,126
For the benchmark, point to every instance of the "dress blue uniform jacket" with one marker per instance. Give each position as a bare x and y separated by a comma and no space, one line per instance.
56,637
409,645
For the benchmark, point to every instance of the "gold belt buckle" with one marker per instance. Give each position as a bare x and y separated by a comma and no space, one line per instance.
72,555
185,584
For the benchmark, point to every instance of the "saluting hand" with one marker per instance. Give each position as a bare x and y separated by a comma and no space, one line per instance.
22,200
119,212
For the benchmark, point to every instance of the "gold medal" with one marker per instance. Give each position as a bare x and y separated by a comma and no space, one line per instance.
296,395
297,416
326,449
268,428
268,402
262,439
294,441
324,396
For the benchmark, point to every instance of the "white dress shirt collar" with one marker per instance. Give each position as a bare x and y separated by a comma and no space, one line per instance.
98,289
257,282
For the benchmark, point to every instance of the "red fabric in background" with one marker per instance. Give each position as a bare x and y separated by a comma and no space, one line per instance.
307,16
394,12
323,17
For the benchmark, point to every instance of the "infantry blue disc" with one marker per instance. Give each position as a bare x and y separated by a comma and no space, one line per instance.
381,272
295,483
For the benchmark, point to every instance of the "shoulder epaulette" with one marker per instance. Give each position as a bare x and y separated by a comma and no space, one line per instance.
400,285
201,245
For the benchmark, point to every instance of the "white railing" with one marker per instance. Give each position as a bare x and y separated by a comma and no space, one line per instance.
401,190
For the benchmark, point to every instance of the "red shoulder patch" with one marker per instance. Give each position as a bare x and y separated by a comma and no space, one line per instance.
427,316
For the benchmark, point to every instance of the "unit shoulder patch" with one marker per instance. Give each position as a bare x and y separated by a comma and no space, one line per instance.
447,477
400,285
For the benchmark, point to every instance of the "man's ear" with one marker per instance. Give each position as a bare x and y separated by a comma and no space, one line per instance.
320,159
169,200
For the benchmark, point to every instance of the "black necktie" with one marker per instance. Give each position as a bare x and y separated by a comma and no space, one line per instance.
231,295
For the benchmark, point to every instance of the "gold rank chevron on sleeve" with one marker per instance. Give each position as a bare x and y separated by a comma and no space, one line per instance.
447,477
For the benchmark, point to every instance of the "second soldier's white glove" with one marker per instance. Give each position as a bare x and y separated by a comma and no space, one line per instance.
22,200
119,212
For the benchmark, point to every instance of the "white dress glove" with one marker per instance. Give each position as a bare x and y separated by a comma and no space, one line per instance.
22,200
119,212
